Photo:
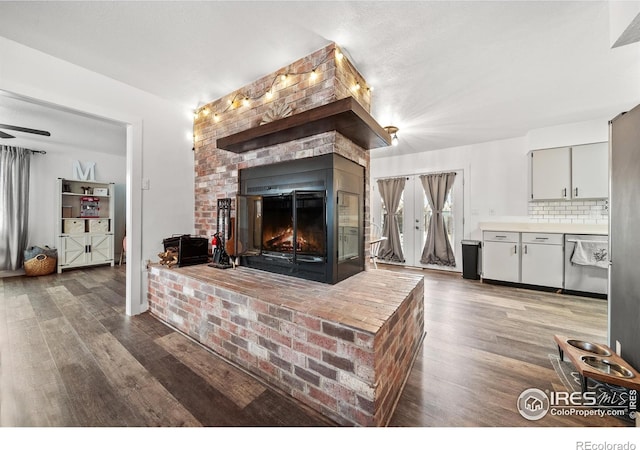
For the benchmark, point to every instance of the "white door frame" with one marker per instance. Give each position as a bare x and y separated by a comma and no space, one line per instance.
135,297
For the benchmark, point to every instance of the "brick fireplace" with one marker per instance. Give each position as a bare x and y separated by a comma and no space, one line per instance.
343,348
217,169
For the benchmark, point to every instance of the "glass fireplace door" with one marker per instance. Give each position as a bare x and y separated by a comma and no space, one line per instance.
349,247
310,226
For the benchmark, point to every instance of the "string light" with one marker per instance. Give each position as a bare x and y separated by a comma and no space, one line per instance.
244,98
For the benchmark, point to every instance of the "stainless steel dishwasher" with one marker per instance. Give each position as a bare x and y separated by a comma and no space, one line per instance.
582,278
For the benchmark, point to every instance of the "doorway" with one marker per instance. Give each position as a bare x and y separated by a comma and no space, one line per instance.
413,217
74,122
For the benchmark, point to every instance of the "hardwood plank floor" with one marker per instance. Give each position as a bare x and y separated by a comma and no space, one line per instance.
69,357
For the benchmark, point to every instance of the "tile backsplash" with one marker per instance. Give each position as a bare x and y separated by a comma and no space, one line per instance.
570,211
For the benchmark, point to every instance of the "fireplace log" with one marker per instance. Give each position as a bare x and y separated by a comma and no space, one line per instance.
169,257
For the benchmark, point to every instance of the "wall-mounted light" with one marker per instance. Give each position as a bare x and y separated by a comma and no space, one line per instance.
393,132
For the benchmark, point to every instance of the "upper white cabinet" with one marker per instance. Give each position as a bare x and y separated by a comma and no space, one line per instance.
570,173
590,171
551,173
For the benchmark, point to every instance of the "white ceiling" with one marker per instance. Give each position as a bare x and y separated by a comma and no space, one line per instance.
446,73
71,132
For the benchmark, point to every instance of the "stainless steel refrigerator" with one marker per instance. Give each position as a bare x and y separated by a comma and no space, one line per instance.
624,235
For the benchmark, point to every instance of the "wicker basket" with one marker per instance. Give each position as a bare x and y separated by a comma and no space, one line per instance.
40,265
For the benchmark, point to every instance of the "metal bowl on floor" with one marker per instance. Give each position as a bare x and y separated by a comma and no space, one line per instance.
590,347
608,367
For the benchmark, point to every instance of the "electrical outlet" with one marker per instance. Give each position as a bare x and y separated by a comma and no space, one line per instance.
618,348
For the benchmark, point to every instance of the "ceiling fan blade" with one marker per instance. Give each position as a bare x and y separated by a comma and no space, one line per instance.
5,135
25,130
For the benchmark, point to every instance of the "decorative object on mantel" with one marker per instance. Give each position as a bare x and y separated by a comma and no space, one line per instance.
277,111
393,132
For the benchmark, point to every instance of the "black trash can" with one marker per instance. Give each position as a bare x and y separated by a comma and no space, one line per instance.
470,251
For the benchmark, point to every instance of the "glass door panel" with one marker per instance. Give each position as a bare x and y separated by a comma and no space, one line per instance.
348,225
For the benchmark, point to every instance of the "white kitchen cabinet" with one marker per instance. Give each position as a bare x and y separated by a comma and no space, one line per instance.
551,173
84,226
590,171
542,259
570,173
501,256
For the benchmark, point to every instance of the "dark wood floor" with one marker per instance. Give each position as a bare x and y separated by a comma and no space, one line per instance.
69,356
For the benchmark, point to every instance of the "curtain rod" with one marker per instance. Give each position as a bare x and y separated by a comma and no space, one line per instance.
41,152
418,174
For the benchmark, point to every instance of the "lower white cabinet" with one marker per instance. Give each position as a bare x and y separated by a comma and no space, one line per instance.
528,258
501,256
85,250
542,259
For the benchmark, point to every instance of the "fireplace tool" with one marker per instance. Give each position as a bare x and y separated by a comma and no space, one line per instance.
219,254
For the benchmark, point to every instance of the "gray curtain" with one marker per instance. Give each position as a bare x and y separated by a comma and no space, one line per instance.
437,249
14,205
391,193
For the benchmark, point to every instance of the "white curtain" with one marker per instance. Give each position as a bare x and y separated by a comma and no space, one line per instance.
14,205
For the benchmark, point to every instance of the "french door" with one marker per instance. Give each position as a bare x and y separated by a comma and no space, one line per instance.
415,213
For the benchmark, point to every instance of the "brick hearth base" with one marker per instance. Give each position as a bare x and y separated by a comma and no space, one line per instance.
344,350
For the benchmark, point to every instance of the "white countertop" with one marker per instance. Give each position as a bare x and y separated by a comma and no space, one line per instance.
532,227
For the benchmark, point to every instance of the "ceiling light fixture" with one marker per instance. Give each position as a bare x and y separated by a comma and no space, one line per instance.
393,132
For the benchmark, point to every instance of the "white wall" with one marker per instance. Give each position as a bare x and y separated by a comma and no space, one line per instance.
156,136
45,169
496,174
565,135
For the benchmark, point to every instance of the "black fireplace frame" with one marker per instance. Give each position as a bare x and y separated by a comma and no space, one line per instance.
330,173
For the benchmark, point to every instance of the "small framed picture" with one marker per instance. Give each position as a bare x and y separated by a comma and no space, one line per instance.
100,191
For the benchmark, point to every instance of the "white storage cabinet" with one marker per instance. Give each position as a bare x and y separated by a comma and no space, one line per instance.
570,173
542,259
501,256
84,238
